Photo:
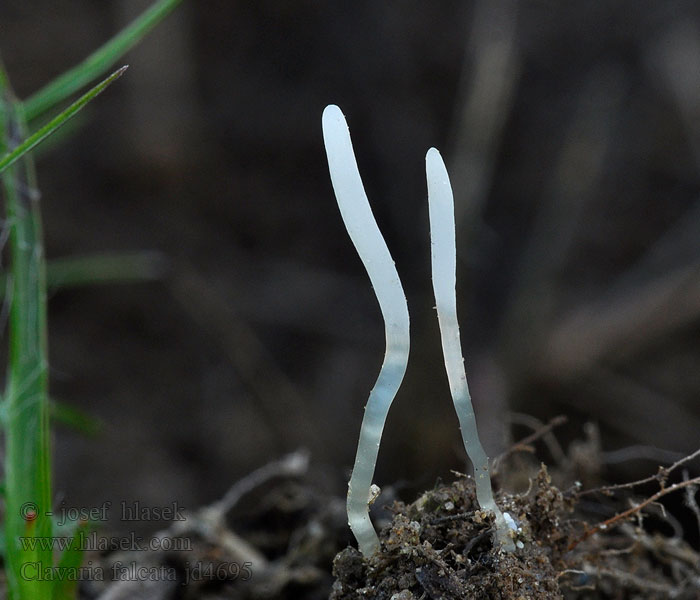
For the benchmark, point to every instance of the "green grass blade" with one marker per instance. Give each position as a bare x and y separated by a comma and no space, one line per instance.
59,138
108,268
2,543
100,269
36,138
76,418
69,563
27,445
98,63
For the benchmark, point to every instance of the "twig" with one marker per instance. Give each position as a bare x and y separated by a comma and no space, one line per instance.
639,582
609,393
209,521
690,500
635,509
490,73
282,406
536,298
640,452
661,476
291,465
627,319
583,574
555,422
524,444
635,310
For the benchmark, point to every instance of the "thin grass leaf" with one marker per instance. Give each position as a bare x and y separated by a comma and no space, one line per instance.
36,138
66,588
98,63
76,418
99,269
108,268
62,135
69,416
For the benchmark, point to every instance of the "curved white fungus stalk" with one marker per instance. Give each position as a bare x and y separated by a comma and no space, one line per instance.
444,262
370,245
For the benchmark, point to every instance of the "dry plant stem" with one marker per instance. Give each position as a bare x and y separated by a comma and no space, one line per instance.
536,297
639,452
634,510
491,67
490,73
524,444
639,582
690,499
627,320
209,522
295,464
653,298
609,393
371,247
278,400
661,476
676,56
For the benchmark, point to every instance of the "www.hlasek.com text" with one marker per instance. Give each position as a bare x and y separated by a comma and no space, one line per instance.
93,542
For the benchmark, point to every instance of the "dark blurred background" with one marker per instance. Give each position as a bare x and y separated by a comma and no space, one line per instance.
572,135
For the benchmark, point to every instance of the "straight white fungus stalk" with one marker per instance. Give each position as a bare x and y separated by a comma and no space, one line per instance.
370,245
444,263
